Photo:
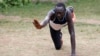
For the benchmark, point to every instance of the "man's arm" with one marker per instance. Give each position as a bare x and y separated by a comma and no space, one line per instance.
72,34
36,24
73,17
44,22
72,13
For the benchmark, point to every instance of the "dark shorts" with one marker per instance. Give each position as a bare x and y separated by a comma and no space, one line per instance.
56,37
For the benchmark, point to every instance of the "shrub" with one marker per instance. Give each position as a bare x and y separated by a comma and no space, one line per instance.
9,3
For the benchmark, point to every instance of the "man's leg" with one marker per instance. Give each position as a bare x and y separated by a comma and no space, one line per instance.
57,38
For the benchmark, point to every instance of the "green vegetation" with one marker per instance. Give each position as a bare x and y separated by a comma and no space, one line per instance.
4,4
86,9
29,10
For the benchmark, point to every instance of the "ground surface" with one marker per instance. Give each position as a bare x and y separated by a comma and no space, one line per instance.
18,37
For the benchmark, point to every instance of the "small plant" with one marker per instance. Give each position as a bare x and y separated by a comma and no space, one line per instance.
9,3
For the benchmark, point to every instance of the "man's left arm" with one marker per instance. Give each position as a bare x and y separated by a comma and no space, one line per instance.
73,17
72,13
72,35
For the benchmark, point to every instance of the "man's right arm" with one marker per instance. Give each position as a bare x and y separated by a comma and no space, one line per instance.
44,22
47,18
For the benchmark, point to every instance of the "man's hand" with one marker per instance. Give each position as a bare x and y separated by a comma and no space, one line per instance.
36,24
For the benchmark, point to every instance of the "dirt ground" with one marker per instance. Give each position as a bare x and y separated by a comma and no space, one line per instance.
24,40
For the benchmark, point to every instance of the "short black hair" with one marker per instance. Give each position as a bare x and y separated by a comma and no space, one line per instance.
60,4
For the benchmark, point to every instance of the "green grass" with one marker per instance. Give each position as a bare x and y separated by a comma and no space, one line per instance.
31,10
86,9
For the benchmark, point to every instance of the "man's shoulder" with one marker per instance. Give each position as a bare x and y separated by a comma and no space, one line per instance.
51,12
70,8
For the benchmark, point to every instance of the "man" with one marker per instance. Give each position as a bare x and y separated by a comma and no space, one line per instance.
57,18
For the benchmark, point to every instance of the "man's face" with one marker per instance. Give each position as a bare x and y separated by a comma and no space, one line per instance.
60,12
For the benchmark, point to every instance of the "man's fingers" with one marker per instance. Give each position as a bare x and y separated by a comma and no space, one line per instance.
35,21
36,24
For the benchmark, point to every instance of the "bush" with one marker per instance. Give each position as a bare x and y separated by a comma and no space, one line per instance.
9,3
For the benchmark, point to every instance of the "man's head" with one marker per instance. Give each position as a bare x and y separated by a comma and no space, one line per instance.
60,10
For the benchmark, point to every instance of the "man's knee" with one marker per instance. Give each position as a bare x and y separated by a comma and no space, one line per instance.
58,47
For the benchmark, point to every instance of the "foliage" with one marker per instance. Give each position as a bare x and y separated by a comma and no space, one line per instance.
84,9
8,3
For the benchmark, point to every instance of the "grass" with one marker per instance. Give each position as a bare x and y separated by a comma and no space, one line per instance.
30,10
18,37
88,8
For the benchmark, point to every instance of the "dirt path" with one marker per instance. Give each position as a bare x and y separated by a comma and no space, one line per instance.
15,18
89,21
18,18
